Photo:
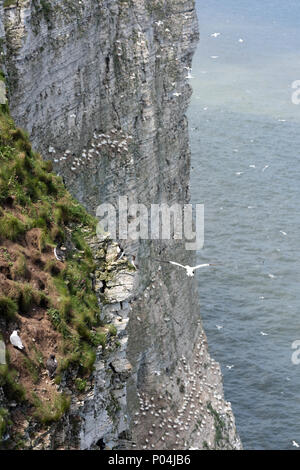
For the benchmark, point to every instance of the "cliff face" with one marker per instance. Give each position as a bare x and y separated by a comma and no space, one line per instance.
101,88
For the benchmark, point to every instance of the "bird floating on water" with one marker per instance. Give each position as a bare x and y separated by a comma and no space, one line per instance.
16,340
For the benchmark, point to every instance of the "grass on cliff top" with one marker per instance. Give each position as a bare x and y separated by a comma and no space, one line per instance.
36,214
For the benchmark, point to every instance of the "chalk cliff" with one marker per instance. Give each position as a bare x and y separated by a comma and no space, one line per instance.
101,88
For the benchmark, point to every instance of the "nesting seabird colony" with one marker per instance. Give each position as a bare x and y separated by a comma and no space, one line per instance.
202,408
112,144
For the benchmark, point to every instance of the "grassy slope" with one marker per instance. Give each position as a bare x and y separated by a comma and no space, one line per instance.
51,302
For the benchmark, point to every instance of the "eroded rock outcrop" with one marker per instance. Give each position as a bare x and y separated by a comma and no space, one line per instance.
101,88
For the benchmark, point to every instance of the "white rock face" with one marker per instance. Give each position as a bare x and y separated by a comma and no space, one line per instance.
104,84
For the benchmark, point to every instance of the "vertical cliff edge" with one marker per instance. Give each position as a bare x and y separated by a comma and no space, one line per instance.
101,88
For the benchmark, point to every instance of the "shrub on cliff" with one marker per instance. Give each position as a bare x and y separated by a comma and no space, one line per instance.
36,214
8,308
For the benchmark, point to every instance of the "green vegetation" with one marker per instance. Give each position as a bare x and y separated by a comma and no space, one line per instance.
8,308
11,227
8,381
33,368
42,8
112,330
48,413
38,357
46,7
9,3
58,322
28,297
36,214
113,406
219,424
19,268
80,384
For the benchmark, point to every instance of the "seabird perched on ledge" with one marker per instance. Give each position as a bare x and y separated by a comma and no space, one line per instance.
16,340
51,365
59,253
131,259
190,270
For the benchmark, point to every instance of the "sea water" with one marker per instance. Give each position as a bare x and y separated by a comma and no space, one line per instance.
244,132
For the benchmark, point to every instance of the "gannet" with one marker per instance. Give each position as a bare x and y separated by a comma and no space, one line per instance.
16,340
190,270
215,35
189,75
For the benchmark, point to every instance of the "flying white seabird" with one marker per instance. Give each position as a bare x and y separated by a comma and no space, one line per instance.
190,270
